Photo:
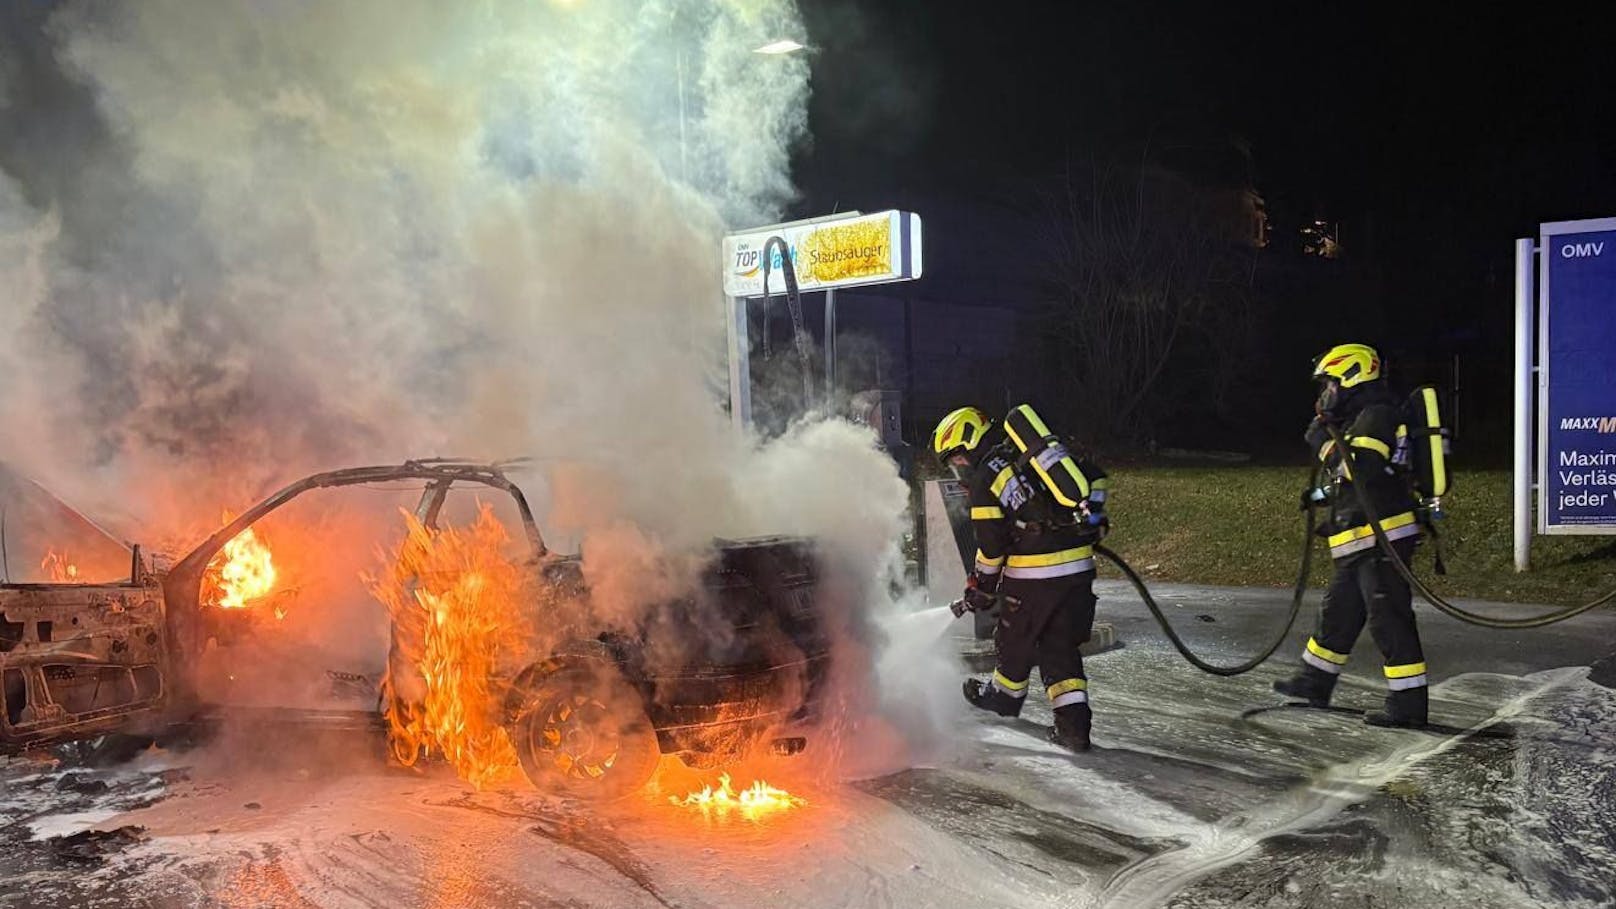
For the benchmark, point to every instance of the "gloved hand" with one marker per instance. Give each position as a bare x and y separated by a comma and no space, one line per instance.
1317,434
972,600
989,583
977,599
1318,495
1100,522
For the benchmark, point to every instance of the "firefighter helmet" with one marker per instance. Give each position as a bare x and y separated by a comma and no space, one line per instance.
1349,364
960,431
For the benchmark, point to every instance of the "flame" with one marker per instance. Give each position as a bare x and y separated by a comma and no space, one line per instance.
243,571
59,567
755,802
454,600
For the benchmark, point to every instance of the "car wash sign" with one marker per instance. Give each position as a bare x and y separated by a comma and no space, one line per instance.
1577,381
827,253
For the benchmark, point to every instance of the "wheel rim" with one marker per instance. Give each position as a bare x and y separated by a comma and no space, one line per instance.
580,736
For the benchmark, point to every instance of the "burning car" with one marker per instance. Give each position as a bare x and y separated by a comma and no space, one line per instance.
587,707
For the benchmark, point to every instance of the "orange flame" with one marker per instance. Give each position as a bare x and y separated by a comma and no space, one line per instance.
753,803
242,572
59,568
454,602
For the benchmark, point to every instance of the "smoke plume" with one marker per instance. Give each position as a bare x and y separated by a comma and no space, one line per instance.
242,241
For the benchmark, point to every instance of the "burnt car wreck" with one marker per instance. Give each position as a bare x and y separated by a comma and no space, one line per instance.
743,663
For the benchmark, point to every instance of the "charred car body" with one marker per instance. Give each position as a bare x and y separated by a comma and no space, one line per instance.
589,716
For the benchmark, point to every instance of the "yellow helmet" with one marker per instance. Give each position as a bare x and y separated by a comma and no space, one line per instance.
963,429
1350,364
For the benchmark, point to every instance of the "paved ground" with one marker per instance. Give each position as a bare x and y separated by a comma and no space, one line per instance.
1204,792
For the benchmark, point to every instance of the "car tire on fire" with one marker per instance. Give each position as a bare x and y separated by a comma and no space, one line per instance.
581,730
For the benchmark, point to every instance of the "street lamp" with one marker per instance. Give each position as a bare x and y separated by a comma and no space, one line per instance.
775,48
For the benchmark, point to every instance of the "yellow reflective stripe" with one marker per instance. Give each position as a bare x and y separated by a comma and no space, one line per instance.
1408,670
1101,483
1068,685
1439,467
1003,478
1359,533
1014,436
1402,430
1313,647
1071,468
1374,445
1051,558
1326,448
984,560
987,513
1006,683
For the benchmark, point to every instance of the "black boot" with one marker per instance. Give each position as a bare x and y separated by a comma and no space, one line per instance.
1310,684
1408,708
1072,724
983,696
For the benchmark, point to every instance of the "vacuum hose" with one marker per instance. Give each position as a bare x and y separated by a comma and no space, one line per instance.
1279,640
1431,596
799,334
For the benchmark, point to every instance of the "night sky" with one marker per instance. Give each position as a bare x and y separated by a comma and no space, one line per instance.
1432,139
1443,128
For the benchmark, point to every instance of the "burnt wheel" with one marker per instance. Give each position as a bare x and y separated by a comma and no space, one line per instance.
582,732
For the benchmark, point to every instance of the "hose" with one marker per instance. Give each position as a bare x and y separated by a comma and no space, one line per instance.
799,334
1279,640
1431,596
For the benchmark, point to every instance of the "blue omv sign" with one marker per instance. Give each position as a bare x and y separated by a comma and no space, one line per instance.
1577,380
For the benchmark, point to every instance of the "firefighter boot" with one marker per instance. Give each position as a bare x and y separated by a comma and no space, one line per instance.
1310,684
984,696
1071,729
1408,708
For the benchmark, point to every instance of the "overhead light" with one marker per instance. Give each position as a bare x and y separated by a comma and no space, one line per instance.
783,46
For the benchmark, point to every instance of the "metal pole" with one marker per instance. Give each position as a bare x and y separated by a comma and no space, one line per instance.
679,66
830,349
740,366
1525,290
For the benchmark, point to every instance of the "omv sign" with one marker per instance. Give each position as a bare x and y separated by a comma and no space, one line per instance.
1577,378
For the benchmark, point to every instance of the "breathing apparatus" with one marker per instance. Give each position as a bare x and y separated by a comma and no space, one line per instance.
1065,485
1422,450
1421,456
1436,599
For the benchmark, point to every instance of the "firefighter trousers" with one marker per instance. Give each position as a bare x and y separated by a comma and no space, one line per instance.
1044,629
1367,586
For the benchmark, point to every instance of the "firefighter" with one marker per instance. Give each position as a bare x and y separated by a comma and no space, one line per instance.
1355,403
1040,563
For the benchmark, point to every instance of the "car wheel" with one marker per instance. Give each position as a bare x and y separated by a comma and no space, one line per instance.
582,732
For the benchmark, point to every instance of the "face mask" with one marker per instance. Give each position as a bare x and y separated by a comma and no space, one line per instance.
1329,398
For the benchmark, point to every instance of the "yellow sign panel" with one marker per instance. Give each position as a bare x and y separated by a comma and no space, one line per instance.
859,249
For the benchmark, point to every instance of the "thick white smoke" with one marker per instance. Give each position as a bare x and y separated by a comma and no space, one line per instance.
338,232
286,237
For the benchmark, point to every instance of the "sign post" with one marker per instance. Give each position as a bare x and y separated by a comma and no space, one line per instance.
843,250
1577,378
1525,284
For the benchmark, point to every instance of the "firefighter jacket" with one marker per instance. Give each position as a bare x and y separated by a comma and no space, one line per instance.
1029,543
1372,437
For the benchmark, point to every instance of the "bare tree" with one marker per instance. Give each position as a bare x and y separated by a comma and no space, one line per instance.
1137,262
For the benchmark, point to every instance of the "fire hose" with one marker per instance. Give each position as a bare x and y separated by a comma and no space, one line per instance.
1300,590
1138,583
1431,596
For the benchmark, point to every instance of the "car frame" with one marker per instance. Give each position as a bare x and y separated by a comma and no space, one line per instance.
589,717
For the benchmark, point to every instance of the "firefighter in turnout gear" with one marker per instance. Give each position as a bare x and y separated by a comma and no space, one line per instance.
1036,512
1364,584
